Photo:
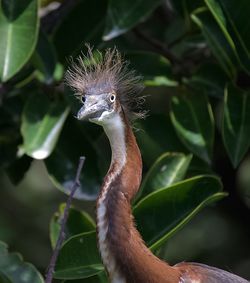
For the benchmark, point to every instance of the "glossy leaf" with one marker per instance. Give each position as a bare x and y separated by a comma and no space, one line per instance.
77,222
156,69
216,41
124,15
44,58
155,136
9,140
193,120
91,28
42,123
236,123
198,167
233,21
17,169
160,214
98,278
243,180
4,278
18,33
10,137
63,162
220,18
209,79
168,169
14,269
79,258
186,7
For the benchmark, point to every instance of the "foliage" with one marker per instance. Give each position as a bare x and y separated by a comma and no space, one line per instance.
13,269
194,53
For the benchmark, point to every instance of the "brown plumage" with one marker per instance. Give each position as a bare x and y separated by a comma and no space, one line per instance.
107,86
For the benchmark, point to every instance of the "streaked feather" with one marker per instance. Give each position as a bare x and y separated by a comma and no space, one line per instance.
202,273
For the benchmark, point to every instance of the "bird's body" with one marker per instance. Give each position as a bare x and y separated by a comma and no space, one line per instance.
124,253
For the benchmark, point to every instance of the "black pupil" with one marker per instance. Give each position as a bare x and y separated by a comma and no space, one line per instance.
83,99
112,97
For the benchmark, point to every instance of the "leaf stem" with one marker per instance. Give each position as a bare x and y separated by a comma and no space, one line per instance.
61,237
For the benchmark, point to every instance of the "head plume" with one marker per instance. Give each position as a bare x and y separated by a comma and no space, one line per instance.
106,72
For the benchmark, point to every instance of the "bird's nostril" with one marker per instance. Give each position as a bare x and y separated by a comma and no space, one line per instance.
83,99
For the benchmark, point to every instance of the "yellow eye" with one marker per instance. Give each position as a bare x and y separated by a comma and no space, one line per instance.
112,98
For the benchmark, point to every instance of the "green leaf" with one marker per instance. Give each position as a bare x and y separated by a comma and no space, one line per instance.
168,169
155,137
216,40
236,123
42,122
18,33
73,143
77,222
124,15
99,278
218,14
10,136
9,141
186,7
79,258
234,23
209,79
198,167
44,58
13,269
238,19
160,214
156,69
17,169
193,120
4,278
91,23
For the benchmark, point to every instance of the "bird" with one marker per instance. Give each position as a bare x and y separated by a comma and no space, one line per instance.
108,90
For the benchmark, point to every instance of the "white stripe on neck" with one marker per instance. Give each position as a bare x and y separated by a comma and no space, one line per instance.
115,131
116,134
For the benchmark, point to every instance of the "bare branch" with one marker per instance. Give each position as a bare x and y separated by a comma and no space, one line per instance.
158,46
61,237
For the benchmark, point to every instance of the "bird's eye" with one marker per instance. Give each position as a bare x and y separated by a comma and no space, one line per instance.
83,98
112,97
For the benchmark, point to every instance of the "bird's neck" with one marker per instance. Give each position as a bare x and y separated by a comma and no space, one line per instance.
126,163
122,249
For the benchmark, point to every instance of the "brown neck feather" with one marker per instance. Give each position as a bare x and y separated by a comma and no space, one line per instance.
124,253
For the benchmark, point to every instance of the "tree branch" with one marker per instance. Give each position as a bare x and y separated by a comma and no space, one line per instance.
158,46
61,237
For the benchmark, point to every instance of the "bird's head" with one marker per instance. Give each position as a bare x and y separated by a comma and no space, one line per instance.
104,85
99,108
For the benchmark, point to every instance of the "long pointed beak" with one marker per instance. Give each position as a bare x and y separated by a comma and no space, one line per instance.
91,110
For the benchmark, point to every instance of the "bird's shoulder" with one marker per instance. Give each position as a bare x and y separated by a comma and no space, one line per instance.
202,273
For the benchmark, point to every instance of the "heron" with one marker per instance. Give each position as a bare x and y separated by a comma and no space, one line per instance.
108,89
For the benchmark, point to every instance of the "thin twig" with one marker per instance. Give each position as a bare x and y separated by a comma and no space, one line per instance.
61,237
156,44
178,39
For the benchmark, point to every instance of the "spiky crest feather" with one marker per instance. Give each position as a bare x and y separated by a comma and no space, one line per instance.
106,72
